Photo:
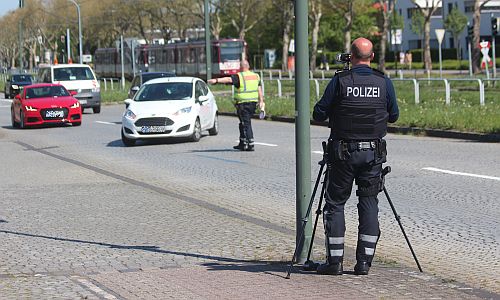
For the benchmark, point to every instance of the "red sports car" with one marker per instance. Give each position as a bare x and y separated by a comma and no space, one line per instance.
45,103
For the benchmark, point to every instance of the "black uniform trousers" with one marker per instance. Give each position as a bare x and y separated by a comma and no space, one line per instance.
245,112
339,185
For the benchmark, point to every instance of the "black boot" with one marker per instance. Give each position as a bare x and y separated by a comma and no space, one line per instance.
330,269
242,146
362,268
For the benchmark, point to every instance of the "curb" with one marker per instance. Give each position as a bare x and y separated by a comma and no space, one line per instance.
451,134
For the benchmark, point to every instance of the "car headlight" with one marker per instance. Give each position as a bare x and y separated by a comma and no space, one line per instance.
30,108
15,86
76,105
184,110
130,114
96,89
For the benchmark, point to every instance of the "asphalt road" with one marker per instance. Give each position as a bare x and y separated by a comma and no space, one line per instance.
80,185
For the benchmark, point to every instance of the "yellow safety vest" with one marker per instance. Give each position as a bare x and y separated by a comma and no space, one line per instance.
249,88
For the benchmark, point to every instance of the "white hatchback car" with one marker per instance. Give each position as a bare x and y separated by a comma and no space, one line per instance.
170,107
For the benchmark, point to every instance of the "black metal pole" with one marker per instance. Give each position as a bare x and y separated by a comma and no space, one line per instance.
304,221
398,218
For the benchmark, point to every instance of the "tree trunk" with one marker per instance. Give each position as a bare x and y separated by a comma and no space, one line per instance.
476,52
383,44
316,15
348,16
427,45
287,17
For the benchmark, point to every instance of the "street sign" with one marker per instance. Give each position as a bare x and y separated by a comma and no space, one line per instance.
440,35
291,48
396,37
87,58
485,49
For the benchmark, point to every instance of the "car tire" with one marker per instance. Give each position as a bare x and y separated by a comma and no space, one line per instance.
196,136
215,129
21,120
77,123
96,109
126,141
13,119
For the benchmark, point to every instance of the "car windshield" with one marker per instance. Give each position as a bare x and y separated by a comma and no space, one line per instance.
165,91
46,92
21,78
148,77
73,73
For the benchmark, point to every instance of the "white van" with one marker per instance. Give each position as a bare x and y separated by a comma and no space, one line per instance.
75,77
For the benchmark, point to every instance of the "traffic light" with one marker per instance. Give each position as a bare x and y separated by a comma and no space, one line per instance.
494,26
21,3
470,30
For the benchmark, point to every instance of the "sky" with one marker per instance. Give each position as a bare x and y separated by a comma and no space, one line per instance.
6,5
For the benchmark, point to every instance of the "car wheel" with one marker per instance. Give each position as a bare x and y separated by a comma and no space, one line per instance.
77,123
96,109
126,141
215,129
13,119
196,136
21,120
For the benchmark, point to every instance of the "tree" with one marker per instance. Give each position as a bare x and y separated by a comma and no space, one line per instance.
286,10
315,16
427,10
476,17
417,26
387,8
346,8
245,14
455,23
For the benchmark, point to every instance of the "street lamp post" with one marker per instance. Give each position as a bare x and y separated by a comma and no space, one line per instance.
79,29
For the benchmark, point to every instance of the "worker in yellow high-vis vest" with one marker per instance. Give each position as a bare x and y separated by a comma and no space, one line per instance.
248,92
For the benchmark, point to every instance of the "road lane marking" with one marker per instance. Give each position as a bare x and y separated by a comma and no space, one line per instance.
94,288
263,144
461,173
107,123
318,152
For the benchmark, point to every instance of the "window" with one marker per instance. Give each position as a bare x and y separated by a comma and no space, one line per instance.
199,90
73,73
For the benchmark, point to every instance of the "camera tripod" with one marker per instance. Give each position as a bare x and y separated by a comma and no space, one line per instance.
310,265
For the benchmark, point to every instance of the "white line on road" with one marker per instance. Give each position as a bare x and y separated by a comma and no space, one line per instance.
94,288
318,152
264,144
461,173
107,123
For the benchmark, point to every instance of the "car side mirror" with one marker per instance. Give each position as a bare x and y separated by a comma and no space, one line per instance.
18,97
73,93
128,102
202,99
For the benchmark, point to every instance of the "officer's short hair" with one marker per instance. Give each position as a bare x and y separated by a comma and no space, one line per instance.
356,52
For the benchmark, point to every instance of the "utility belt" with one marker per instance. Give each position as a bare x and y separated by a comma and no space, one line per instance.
341,150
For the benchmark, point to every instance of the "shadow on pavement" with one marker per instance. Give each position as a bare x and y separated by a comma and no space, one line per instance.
149,248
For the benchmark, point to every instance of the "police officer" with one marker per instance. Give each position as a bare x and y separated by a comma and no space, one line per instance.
358,104
248,91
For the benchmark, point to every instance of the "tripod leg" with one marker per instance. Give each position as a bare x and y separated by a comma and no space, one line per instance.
398,218
304,221
310,265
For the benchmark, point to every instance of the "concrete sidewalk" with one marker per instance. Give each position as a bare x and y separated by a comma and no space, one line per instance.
267,281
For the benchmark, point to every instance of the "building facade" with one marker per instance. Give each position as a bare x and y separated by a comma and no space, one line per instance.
410,40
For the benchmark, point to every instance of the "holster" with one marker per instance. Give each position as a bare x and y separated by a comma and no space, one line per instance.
338,150
381,152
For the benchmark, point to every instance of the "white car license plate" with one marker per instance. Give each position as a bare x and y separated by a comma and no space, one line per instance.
54,114
83,101
153,129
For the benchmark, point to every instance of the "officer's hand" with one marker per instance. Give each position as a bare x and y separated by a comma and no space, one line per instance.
212,81
262,106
